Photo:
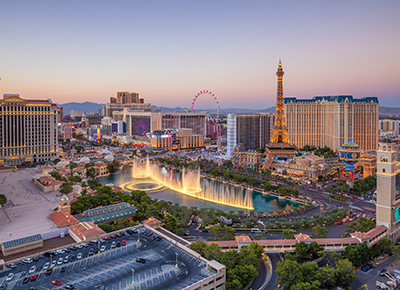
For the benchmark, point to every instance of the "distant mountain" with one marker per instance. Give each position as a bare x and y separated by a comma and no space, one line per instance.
94,107
386,111
82,107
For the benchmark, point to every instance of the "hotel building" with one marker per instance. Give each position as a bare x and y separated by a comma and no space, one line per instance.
126,100
28,130
332,121
175,139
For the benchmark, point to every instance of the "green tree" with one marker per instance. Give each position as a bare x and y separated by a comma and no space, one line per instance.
94,183
363,225
229,233
357,254
199,247
384,246
170,223
113,166
396,252
90,172
3,199
328,276
226,174
216,230
315,250
66,188
301,251
319,232
288,234
212,252
345,272
289,273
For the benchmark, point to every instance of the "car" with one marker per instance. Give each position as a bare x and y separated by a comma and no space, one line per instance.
34,277
67,250
149,234
155,237
32,288
66,259
79,256
103,248
53,264
3,286
366,267
134,231
26,280
106,238
118,245
95,241
60,261
85,245
141,260
114,236
72,258
118,235
124,243
61,251
9,277
56,282
339,222
112,245
32,270
91,252
80,246
46,266
12,265
49,271
36,258
69,286
62,269
130,232
159,238
27,260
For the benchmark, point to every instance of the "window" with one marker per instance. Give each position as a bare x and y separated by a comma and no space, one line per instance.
383,170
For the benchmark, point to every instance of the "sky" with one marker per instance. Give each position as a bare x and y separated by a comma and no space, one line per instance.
168,51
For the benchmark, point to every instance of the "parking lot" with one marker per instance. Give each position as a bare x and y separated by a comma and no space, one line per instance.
114,267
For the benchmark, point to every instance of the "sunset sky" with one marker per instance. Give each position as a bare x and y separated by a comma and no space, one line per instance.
167,51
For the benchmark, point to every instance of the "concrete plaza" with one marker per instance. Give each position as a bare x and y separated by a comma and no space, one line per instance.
28,208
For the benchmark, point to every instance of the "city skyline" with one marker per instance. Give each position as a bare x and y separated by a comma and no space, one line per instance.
168,52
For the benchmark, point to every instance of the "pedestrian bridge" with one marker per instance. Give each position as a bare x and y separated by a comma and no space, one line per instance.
334,244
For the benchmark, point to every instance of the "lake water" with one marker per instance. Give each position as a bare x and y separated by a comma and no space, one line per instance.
260,202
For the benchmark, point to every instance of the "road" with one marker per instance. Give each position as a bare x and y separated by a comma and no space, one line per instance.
371,276
272,285
261,277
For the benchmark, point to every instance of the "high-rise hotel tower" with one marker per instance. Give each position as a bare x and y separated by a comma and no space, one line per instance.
28,130
332,121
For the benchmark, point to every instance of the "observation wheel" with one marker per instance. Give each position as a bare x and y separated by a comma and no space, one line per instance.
212,96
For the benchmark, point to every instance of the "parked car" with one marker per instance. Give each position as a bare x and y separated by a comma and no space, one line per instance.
12,265
118,235
60,261
113,245
69,286
56,282
130,232
366,267
106,238
124,243
34,277
53,264
49,271
26,280
141,260
36,258
46,266
79,256
32,270
103,248
91,252
62,269
9,277
114,236
27,260
339,222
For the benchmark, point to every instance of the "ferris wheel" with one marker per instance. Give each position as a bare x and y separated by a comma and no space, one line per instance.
215,100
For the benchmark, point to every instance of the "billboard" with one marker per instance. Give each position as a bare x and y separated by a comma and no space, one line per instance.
397,213
140,125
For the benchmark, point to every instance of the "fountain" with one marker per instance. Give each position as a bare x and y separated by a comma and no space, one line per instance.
188,183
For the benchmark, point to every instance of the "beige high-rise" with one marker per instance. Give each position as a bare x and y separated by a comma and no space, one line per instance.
28,130
332,121
388,188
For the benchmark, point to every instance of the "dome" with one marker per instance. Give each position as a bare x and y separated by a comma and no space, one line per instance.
109,158
127,153
84,160
386,139
61,164
349,153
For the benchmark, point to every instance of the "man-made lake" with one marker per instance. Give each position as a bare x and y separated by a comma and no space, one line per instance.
260,202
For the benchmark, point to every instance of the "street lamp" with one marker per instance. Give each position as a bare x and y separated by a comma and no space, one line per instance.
176,265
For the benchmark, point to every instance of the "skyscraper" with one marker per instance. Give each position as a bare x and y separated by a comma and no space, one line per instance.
231,134
332,121
28,130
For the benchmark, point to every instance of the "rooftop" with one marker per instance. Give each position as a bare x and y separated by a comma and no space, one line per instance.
107,213
338,99
21,241
62,218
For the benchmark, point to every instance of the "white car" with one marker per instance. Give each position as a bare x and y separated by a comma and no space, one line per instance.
60,261
80,246
32,270
103,248
46,266
54,263
79,256
61,251
9,277
27,260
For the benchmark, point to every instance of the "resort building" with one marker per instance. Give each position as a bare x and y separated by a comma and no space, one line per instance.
389,127
195,121
28,130
332,121
126,100
231,134
250,158
175,139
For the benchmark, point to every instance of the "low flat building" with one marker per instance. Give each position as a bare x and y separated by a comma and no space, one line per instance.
85,231
22,244
47,183
107,214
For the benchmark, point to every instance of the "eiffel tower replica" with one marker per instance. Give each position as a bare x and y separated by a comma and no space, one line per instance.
279,146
